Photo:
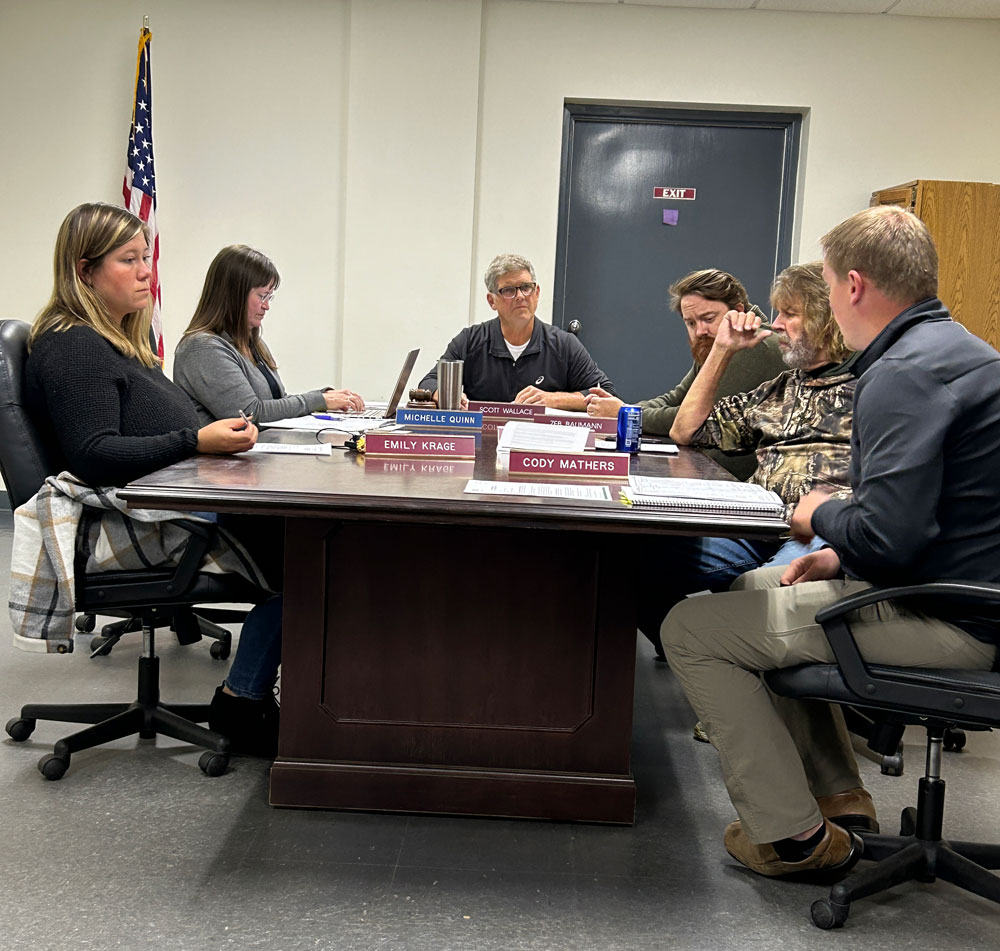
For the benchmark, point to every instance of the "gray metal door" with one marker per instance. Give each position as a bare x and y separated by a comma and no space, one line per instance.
617,250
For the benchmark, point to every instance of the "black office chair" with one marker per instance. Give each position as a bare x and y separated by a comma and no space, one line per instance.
153,597
938,700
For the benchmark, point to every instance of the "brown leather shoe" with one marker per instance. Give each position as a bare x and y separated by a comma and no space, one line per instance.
835,855
852,809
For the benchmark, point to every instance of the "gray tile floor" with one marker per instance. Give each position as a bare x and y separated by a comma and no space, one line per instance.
135,848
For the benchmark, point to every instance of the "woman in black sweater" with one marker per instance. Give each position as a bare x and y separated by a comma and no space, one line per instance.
94,381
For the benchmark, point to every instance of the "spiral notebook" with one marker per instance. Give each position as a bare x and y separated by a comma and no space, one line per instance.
703,496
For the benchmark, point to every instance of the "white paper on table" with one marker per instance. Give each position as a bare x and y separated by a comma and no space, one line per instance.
310,449
667,448
551,490
708,489
306,423
520,435
340,424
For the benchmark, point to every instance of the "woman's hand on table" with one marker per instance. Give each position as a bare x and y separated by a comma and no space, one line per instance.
227,436
343,400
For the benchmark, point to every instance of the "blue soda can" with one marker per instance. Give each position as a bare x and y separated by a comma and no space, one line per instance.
629,429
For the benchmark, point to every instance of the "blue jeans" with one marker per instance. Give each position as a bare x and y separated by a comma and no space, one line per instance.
672,568
255,666
258,655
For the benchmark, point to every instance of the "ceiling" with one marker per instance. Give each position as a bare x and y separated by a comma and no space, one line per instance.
977,9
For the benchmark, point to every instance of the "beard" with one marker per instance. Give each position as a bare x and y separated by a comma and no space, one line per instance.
800,355
700,348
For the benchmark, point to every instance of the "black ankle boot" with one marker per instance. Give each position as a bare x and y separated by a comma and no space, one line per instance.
251,726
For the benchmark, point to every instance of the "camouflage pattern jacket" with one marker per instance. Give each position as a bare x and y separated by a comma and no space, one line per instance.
799,424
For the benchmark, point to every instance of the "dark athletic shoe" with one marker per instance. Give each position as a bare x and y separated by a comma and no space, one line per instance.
251,726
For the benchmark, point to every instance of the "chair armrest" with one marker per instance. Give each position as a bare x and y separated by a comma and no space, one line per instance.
952,593
879,686
202,538
137,587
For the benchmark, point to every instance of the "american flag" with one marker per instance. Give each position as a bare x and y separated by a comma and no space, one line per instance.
139,187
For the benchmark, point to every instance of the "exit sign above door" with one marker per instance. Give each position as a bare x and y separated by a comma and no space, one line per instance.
686,194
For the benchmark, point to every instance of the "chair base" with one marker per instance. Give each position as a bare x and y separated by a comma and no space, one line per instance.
917,854
145,716
189,627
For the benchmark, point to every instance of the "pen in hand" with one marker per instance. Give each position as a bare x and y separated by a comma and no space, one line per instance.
246,419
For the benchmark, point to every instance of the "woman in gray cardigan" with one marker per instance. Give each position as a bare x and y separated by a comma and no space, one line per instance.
223,364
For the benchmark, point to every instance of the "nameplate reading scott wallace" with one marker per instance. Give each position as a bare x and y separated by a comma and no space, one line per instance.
507,410
440,418
597,465
420,444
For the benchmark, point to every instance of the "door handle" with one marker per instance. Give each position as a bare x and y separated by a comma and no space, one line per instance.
574,326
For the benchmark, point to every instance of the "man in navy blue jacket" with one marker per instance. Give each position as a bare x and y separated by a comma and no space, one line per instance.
925,474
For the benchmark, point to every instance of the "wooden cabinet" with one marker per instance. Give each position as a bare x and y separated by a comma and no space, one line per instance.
964,218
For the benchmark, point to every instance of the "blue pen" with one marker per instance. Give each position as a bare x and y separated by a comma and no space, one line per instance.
325,416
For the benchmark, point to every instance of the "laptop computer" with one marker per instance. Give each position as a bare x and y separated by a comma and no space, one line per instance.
397,393
359,420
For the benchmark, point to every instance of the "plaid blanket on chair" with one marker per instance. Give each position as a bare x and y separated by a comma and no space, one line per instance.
66,518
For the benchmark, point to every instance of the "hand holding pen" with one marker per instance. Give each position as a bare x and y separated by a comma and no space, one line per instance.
228,436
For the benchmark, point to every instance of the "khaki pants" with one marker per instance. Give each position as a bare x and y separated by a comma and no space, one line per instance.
777,754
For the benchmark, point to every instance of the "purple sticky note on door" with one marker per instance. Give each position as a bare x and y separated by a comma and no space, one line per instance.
670,216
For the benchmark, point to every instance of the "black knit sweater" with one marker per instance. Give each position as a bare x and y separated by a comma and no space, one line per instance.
113,419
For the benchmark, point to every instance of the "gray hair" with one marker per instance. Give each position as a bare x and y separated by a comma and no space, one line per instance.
504,264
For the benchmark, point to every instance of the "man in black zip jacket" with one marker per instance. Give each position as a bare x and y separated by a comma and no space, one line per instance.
925,475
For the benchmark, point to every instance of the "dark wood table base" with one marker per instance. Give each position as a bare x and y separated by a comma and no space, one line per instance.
453,669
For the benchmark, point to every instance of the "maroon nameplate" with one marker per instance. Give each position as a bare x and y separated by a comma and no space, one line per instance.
599,424
590,465
384,465
527,411
420,444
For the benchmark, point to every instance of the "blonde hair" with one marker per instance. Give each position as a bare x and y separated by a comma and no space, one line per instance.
88,233
803,285
891,247
233,274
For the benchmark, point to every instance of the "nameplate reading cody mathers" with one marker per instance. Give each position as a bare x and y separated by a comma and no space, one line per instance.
420,444
507,410
600,465
440,418
599,424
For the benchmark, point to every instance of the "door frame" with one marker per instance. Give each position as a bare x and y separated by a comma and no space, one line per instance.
575,111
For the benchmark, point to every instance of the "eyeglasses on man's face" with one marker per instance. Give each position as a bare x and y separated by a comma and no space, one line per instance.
509,293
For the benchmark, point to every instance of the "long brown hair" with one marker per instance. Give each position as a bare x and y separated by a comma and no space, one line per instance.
222,309
88,233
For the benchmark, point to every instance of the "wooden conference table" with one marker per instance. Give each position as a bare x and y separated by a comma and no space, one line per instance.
445,652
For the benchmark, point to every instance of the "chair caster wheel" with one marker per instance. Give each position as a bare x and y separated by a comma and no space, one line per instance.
212,763
85,623
954,740
53,767
908,821
221,650
19,729
892,765
826,915
100,646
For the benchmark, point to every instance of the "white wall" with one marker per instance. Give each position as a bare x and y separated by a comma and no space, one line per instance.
382,151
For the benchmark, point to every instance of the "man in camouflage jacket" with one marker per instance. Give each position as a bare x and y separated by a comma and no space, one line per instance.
798,424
